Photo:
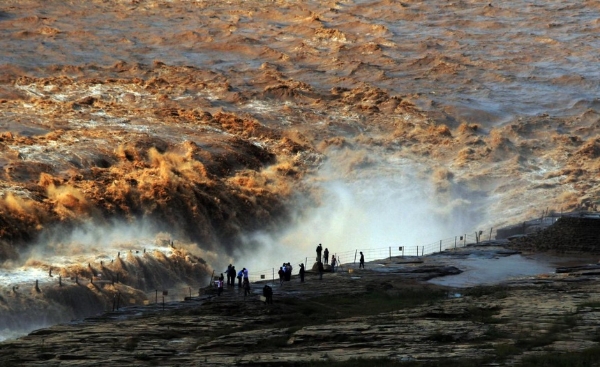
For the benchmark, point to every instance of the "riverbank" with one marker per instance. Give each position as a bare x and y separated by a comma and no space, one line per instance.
393,315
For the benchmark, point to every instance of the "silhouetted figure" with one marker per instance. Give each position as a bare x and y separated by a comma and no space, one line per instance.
281,273
288,272
333,263
220,286
301,273
319,250
232,274
321,270
246,287
239,278
228,272
268,294
326,256
245,272
362,261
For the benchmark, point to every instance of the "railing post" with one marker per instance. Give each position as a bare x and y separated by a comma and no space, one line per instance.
455,242
210,282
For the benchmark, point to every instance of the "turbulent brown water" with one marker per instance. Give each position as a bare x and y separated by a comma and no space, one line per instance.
210,132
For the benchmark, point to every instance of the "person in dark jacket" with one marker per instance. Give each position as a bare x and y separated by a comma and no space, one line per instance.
240,274
319,250
228,272
301,273
232,274
281,273
268,294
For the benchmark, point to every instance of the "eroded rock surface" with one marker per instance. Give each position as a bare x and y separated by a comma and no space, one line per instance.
315,320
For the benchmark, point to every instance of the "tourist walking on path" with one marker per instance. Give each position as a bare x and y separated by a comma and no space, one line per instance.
301,273
362,261
326,255
319,250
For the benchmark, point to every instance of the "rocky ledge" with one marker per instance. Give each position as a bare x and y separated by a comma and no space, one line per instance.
387,312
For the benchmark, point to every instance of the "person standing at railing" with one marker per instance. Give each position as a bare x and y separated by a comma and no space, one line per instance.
326,256
239,277
246,276
333,263
362,261
281,274
301,273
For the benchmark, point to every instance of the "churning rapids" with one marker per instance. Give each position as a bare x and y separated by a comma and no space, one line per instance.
152,142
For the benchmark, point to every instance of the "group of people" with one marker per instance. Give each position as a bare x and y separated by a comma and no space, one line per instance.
323,258
242,277
285,273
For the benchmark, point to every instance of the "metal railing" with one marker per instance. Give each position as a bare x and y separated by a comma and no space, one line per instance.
352,257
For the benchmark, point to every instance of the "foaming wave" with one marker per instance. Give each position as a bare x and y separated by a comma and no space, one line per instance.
83,272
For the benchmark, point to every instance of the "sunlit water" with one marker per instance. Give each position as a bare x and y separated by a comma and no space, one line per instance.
477,270
503,59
